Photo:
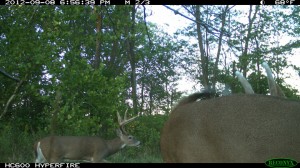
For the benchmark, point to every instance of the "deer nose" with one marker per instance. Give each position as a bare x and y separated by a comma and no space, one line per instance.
138,143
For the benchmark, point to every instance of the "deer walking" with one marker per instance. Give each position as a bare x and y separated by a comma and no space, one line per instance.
242,128
83,148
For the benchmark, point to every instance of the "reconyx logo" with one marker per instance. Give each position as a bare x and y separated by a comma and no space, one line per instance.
281,162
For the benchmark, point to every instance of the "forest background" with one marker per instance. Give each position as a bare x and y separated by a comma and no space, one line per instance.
68,70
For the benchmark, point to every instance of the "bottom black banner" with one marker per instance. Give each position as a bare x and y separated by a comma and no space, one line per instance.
138,165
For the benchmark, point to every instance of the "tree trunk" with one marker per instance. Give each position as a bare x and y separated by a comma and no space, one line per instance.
204,61
244,59
98,37
215,70
132,59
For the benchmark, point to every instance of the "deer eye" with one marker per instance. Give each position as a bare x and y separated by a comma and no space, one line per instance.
130,137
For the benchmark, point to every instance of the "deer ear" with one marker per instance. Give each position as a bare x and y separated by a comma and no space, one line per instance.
119,132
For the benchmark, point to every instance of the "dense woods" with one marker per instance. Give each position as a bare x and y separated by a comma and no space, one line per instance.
69,70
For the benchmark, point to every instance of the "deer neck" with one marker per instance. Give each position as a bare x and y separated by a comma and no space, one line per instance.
115,145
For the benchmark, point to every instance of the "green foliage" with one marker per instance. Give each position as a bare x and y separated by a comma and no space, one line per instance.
146,129
16,146
54,50
259,83
88,98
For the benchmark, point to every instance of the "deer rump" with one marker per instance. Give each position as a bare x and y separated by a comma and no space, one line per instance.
237,128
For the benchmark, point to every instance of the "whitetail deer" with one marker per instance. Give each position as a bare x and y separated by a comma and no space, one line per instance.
236,128
275,90
83,148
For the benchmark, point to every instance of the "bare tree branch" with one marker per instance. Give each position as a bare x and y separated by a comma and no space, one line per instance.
150,42
207,27
9,76
12,96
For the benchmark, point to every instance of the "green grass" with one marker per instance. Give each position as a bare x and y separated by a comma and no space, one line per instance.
117,158
17,156
142,154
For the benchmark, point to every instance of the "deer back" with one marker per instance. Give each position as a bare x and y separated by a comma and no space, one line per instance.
236,128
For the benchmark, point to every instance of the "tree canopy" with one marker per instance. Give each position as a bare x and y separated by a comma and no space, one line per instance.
68,70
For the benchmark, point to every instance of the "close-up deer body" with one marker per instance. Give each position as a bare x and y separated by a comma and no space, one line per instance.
83,148
242,128
237,128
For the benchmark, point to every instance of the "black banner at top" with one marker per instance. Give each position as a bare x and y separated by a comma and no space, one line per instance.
150,2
